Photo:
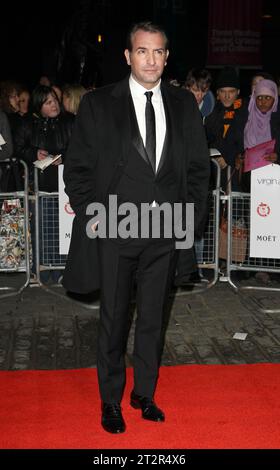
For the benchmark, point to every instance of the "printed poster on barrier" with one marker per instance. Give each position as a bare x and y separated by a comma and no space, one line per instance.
265,220
66,216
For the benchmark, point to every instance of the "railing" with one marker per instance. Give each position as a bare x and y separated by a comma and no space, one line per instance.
207,253
238,245
24,217
47,257
15,249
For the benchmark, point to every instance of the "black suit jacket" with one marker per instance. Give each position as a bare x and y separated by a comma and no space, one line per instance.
99,149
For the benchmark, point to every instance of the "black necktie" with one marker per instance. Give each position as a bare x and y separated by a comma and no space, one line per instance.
150,130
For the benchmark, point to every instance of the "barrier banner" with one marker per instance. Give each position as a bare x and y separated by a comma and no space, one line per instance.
234,32
66,215
265,220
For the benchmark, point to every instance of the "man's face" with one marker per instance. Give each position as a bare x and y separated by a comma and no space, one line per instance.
227,95
147,58
198,93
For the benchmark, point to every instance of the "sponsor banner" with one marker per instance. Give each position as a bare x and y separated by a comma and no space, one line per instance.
66,215
234,32
265,220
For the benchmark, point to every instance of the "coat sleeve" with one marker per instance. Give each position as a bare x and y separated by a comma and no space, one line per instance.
214,128
23,148
234,140
80,161
198,164
6,150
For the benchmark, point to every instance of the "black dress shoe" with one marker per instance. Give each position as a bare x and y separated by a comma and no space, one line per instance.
112,420
149,409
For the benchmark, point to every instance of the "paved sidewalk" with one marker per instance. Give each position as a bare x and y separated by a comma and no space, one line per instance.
41,330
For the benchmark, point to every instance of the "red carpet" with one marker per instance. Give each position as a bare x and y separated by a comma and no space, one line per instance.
206,407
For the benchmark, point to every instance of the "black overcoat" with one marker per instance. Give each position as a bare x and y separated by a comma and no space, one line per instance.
98,150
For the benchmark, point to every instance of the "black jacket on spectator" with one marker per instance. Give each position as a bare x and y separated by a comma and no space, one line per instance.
15,120
51,134
6,151
218,123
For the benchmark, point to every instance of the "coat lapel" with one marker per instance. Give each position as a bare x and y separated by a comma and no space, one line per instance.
127,126
167,139
121,113
174,128
136,138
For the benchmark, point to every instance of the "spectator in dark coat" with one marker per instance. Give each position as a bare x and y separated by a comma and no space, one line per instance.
219,121
46,131
6,148
6,144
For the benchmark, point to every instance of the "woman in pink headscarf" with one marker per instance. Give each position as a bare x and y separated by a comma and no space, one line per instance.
255,125
263,103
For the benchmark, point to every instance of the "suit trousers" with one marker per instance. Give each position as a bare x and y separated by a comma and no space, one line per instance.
154,261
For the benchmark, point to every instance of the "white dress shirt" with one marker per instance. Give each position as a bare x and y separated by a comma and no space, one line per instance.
139,100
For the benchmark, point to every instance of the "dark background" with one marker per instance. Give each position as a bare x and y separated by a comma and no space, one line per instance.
34,37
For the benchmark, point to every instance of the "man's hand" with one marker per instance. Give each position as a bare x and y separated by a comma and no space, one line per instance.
239,159
94,226
221,162
57,162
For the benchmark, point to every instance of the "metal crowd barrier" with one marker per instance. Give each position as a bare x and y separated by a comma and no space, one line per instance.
210,258
15,250
47,257
44,211
207,252
47,234
21,213
238,247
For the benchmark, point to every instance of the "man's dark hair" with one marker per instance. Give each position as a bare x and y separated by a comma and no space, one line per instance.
149,27
199,77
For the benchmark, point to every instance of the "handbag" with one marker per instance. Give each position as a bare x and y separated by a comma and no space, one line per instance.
12,177
12,235
12,252
239,240
239,236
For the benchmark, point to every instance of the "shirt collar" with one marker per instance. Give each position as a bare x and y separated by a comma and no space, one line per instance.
138,90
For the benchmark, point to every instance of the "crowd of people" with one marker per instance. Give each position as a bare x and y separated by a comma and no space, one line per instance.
232,124
34,124
221,106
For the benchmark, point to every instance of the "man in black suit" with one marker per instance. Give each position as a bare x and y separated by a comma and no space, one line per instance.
113,151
